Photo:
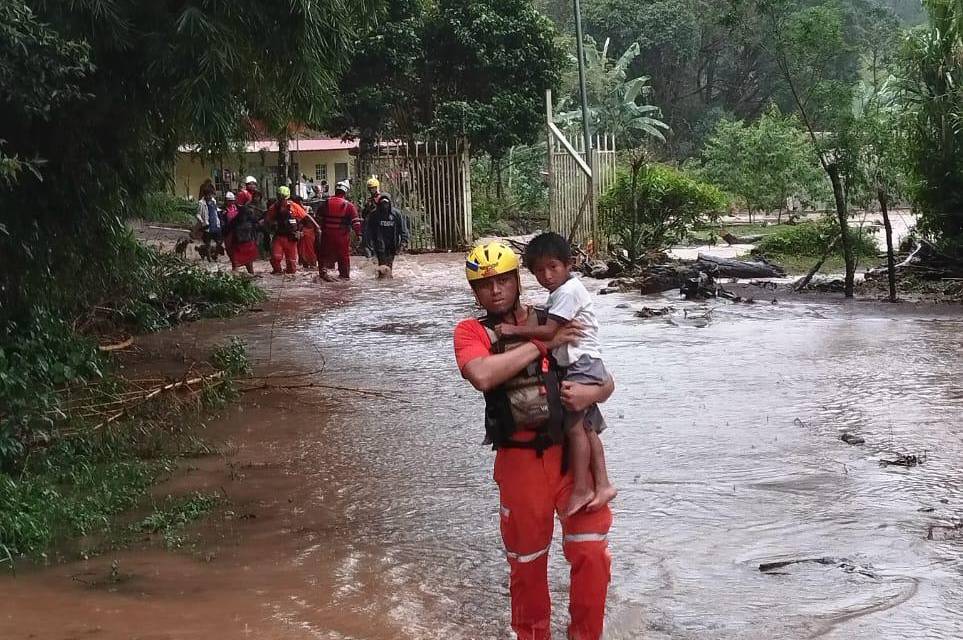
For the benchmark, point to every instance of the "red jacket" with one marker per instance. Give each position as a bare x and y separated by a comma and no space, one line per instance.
338,215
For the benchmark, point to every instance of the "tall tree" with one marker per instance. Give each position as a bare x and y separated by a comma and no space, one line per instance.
489,63
382,93
763,163
813,55
933,89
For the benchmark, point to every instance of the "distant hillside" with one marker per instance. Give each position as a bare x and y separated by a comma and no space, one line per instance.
910,11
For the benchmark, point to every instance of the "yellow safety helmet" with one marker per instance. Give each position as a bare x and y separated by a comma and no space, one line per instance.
284,192
374,183
492,259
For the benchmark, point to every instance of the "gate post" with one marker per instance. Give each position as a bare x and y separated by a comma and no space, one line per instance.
468,233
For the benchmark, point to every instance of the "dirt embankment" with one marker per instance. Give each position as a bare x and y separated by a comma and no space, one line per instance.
263,565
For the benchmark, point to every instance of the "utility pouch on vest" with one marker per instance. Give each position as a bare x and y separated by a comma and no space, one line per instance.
530,399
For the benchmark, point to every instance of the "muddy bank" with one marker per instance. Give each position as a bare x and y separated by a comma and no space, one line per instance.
373,515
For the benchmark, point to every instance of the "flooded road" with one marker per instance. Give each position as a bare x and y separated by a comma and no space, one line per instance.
369,511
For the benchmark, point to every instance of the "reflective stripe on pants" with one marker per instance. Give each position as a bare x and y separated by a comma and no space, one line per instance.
532,489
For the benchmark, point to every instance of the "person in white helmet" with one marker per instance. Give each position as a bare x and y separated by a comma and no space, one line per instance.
247,193
338,216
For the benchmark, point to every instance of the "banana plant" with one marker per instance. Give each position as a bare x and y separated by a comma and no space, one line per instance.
617,103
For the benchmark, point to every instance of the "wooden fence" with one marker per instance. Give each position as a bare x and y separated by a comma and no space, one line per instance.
430,182
568,209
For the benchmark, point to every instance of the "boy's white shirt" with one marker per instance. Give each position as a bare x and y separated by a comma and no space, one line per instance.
572,301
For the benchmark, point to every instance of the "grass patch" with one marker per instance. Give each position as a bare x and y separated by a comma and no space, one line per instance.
72,489
713,234
800,265
163,207
71,476
169,519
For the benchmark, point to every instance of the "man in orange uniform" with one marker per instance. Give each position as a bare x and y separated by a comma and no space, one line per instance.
338,216
286,217
524,423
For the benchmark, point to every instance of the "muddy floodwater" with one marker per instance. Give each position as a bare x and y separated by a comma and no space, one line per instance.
373,514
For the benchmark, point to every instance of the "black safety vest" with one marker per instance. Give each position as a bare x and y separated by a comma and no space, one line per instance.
531,398
282,219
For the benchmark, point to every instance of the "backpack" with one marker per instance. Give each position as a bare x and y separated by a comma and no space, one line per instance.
244,226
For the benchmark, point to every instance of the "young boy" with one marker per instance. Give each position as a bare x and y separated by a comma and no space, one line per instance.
549,258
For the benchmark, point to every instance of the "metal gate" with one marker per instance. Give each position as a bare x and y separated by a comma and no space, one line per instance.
570,212
430,182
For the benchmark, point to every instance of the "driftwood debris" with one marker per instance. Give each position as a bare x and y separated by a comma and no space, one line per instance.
117,346
843,563
803,282
852,439
904,460
926,262
727,268
648,312
732,239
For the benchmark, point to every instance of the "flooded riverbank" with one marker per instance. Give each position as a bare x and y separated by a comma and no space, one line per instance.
369,511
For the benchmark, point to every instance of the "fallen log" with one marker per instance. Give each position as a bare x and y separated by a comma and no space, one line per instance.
731,239
726,268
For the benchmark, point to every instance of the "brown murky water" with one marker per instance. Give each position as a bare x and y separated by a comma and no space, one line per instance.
374,516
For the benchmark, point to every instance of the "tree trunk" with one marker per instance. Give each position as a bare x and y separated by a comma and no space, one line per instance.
366,150
842,215
499,191
284,167
890,254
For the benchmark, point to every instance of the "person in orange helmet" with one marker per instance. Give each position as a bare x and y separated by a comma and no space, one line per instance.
286,217
525,403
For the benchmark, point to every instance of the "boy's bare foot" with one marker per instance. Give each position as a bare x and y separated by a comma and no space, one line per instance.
602,497
578,501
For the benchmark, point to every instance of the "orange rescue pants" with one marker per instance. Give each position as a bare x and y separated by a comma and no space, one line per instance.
532,489
286,249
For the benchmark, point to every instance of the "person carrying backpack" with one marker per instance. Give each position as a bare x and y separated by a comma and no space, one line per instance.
286,217
386,230
241,228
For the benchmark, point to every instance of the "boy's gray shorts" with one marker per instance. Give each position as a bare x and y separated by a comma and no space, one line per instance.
588,370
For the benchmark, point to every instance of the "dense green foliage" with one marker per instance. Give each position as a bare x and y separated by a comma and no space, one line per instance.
762,163
811,239
613,98
69,490
99,96
41,357
453,68
165,290
160,206
932,82
38,360
76,476
653,206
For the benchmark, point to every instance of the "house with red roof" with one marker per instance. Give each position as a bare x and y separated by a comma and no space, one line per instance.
317,159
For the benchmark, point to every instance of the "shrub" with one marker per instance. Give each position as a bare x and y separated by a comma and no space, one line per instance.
164,207
811,238
657,208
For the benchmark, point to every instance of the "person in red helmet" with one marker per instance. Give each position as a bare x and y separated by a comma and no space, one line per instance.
525,407
286,217
338,216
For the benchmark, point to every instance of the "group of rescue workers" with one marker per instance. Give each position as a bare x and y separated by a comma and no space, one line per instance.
294,231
